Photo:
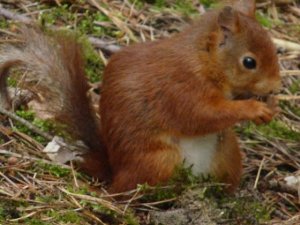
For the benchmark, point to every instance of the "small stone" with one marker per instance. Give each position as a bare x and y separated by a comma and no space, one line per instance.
12,160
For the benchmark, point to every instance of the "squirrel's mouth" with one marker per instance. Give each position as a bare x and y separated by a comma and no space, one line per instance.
249,95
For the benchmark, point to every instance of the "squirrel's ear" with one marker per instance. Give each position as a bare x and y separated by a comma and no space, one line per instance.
246,7
228,20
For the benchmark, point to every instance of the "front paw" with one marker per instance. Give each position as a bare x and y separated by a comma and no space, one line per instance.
273,104
261,112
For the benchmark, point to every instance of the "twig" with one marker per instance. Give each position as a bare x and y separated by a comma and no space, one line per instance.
283,2
74,175
290,73
8,32
5,152
23,217
150,204
26,123
112,48
92,216
292,46
130,201
258,173
94,41
295,10
288,97
8,180
276,2
119,23
103,202
14,16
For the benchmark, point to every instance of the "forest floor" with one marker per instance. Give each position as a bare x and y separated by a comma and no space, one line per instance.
36,190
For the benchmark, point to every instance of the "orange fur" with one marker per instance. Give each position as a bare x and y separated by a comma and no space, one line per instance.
227,163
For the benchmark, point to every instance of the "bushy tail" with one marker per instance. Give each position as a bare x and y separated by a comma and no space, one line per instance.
55,63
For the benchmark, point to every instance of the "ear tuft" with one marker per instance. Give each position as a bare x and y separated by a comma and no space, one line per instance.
228,19
247,7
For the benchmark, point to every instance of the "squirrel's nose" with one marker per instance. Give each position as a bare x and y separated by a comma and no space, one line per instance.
277,88
274,92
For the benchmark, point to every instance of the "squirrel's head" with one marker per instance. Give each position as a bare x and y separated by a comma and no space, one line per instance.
246,51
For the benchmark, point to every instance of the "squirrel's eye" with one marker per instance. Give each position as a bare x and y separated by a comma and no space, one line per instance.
249,63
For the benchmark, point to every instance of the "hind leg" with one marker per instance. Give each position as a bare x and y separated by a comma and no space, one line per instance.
96,165
227,163
151,166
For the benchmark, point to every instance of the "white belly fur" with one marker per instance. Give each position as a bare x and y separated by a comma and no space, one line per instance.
198,152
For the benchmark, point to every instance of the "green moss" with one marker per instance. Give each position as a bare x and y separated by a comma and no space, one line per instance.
160,3
244,210
184,175
28,116
68,217
4,24
2,140
34,221
159,193
54,170
94,66
274,129
81,190
155,3
47,199
61,217
67,14
294,109
45,125
12,82
50,126
295,27
131,219
208,3
279,129
212,191
182,180
237,210
86,24
52,15
71,217
106,214
264,20
12,210
101,209
295,87
185,7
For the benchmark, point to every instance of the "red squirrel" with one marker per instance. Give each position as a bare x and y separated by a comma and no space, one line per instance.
164,102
